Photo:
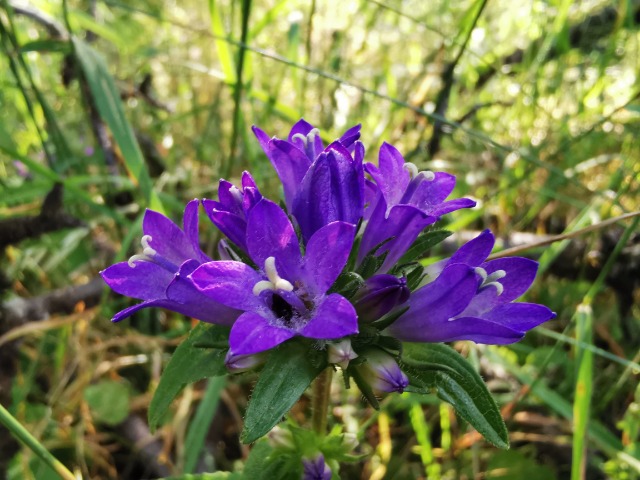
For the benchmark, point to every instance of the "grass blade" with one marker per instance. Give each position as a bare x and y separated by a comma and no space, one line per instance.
36,447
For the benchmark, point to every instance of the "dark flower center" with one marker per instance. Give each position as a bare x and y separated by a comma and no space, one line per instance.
282,309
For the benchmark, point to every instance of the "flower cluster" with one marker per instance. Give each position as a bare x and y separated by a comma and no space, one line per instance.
334,266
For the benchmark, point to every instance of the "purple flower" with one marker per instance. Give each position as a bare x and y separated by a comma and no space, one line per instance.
471,299
321,185
402,202
287,297
316,469
379,295
382,373
230,212
159,275
292,158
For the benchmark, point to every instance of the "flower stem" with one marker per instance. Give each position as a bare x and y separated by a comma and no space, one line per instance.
320,401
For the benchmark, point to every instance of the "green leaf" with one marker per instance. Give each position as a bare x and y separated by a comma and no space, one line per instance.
108,401
106,96
422,244
440,366
199,426
188,364
286,375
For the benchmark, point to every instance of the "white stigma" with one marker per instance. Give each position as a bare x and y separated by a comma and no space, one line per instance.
482,272
411,168
491,279
147,252
427,175
308,138
275,282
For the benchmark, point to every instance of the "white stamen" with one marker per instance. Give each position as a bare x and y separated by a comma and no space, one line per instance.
275,282
428,175
147,252
498,286
299,136
482,272
134,258
412,169
497,275
261,286
283,284
270,269
306,139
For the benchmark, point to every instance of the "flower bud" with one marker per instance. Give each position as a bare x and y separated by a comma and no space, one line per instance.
379,295
383,373
316,469
341,353
243,363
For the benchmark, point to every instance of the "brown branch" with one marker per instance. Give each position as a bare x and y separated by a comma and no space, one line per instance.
442,101
51,218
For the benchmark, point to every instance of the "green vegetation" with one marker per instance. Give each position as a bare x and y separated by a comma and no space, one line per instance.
110,107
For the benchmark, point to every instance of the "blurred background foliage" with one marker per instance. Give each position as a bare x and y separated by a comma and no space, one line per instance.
109,107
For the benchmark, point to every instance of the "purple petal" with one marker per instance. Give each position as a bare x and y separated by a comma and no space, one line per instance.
390,176
190,227
349,138
434,304
248,181
167,239
469,328
229,283
230,197
520,274
332,190
252,333
233,226
379,295
520,316
424,193
334,318
327,253
302,127
270,234
206,312
475,251
451,206
145,281
316,469
404,223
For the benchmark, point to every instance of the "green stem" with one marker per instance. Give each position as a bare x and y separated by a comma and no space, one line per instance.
320,401
30,441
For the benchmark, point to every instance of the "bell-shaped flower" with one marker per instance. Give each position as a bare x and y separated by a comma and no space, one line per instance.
332,190
159,274
315,469
382,373
292,158
379,295
288,296
472,299
402,202
230,212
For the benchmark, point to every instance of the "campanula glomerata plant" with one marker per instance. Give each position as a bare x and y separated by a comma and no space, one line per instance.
328,280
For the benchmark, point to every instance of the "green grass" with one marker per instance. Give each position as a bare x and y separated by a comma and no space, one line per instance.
546,145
